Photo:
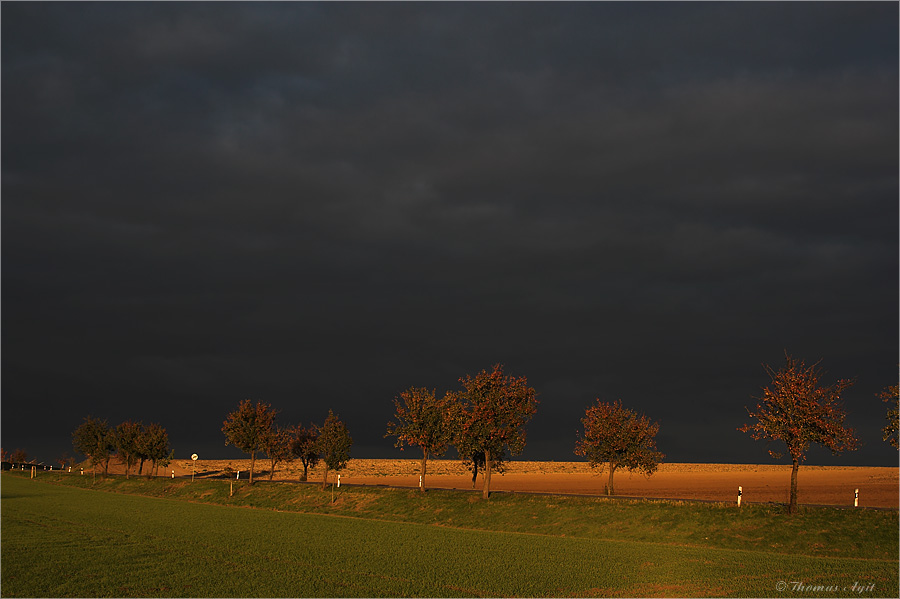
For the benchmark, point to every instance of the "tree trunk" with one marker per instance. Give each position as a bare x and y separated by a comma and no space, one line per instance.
272,471
792,508
486,490
303,478
474,471
252,463
610,490
423,468
325,478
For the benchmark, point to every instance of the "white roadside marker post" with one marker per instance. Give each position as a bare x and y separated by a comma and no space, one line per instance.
856,498
339,481
740,492
420,481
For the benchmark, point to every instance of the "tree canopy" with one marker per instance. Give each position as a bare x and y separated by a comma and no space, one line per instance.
154,446
248,427
334,444
425,421
798,412
128,437
493,410
619,437
304,446
277,445
96,440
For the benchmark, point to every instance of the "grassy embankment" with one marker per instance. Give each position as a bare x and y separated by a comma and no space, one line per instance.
63,541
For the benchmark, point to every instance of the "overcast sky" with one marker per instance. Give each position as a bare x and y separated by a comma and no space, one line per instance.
321,205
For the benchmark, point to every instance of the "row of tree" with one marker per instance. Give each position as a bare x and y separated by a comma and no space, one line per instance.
18,456
131,442
252,429
482,421
489,414
487,417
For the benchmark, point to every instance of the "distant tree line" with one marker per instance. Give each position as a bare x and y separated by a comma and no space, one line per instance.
130,442
486,418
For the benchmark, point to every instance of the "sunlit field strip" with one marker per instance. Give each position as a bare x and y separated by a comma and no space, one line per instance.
59,541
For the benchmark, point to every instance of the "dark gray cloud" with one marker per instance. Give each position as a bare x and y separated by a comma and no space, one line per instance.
320,205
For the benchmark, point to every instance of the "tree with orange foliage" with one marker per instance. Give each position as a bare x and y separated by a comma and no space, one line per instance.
425,421
798,412
493,410
248,427
619,437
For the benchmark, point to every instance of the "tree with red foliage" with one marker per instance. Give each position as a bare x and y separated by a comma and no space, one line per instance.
619,437
425,421
493,410
248,427
798,412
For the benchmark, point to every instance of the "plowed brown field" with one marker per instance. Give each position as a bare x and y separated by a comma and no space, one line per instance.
831,485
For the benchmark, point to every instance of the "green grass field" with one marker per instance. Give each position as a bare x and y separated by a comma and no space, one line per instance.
192,539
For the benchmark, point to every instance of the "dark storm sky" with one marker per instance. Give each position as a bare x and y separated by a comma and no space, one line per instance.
321,205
